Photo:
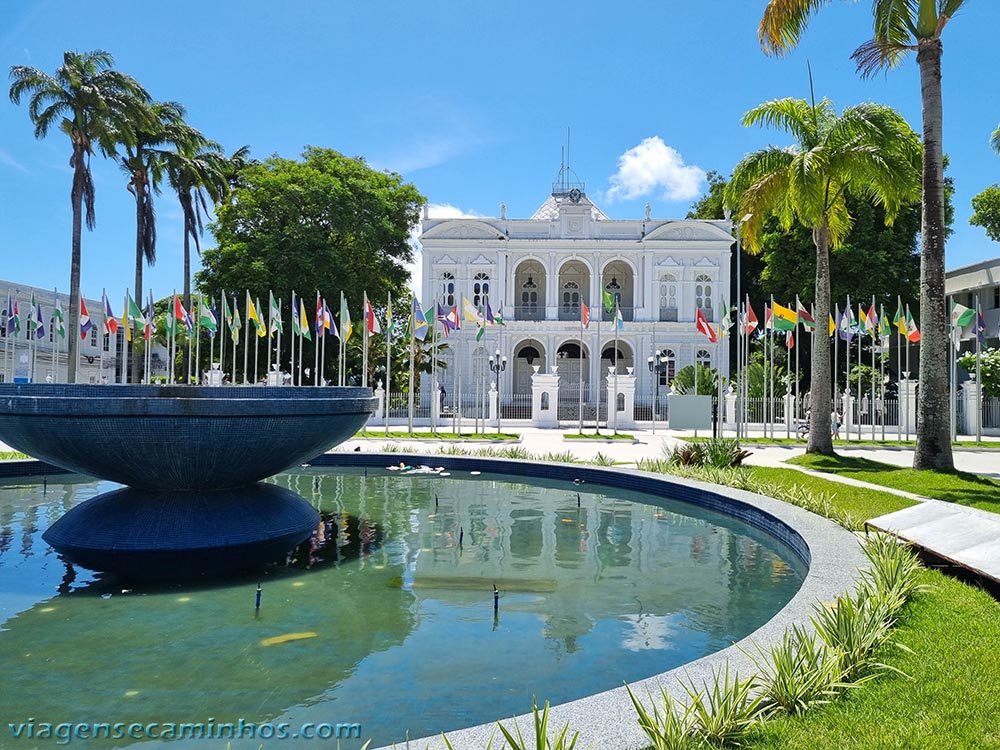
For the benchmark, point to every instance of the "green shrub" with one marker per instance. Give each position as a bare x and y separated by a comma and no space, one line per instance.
542,741
725,711
798,673
668,727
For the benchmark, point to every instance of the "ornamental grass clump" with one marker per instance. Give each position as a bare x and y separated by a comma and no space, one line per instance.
798,673
668,726
542,742
725,711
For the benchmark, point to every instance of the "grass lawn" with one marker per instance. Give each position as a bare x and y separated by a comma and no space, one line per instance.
859,502
985,444
953,487
404,435
952,701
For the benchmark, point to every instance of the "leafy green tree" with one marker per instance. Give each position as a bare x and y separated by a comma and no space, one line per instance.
989,369
901,26
326,222
868,151
92,104
987,211
708,380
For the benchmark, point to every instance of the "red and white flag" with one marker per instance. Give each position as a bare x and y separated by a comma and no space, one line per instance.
751,319
85,324
704,327
584,313
371,322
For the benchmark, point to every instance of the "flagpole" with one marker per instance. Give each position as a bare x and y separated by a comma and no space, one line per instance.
291,338
195,329
883,347
857,399
769,407
979,382
270,332
364,345
434,345
223,324
302,335
388,352
789,339
234,333
319,335
956,342
597,384
148,344
580,394
873,330
322,354
246,338
277,353
256,343
413,339
197,341
908,375
614,380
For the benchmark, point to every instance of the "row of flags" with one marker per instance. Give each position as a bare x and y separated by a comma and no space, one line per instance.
34,320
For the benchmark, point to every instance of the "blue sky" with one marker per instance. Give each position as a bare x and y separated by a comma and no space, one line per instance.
469,101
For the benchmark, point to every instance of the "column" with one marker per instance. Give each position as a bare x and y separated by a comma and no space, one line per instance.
973,416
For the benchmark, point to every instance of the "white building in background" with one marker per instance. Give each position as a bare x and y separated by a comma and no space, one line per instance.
25,359
978,282
538,272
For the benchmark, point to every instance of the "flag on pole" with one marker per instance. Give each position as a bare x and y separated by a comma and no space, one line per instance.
304,320
274,314
346,327
443,316
751,319
872,321
703,327
884,329
181,314
371,322
790,339
253,314
899,319
134,311
85,324
912,332
296,327
981,328
490,320
31,317
726,322
320,330
618,320
149,320
805,318
783,318
418,323
844,324
59,323
328,322
39,322
608,299
206,317
237,323
455,318
863,318
110,319
12,317
961,316
584,314
471,314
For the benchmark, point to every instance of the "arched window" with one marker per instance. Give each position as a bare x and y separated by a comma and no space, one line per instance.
669,371
703,295
529,297
481,290
668,297
703,358
448,289
571,298
615,290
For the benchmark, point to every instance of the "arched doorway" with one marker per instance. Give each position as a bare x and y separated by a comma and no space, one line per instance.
574,379
527,354
618,281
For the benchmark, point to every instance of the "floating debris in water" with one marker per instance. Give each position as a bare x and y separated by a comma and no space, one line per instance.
287,638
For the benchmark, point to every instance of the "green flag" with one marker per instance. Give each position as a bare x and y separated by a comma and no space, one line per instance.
961,315
206,318
236,324
60,325
609,300
275,315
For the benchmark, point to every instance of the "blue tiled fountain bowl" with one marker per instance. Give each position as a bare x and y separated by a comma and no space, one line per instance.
179,437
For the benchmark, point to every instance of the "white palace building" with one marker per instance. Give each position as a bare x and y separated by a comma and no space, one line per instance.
537,272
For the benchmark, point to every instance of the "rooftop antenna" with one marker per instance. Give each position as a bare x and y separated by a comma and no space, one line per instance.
568,182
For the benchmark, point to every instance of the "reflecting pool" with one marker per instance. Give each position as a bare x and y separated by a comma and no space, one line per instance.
384,618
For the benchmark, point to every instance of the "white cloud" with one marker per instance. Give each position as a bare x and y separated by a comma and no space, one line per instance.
8,160
434,211
655,169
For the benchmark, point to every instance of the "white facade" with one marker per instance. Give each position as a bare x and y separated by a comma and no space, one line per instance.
537,272
26,358
980,281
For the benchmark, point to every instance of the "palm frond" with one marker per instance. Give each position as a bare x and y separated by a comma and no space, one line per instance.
995,140
794,116
784,22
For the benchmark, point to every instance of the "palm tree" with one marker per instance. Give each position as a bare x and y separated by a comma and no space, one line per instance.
144,161
902,26
995,140
196,173
868,151
93,105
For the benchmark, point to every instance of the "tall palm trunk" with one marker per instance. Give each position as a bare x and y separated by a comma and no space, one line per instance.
933,449
820,407
140,255
76,198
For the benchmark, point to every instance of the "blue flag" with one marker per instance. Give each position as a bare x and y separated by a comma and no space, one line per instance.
418,323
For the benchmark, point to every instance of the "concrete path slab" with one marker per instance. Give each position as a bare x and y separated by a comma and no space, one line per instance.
968,537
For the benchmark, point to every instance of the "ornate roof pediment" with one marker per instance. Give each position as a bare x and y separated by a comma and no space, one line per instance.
443,260
669,262
463,230
690,230
705,263
481,260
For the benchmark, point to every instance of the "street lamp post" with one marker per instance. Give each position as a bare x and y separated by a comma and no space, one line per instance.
657,364
497,365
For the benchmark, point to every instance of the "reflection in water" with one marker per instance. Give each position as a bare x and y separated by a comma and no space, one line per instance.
385,614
